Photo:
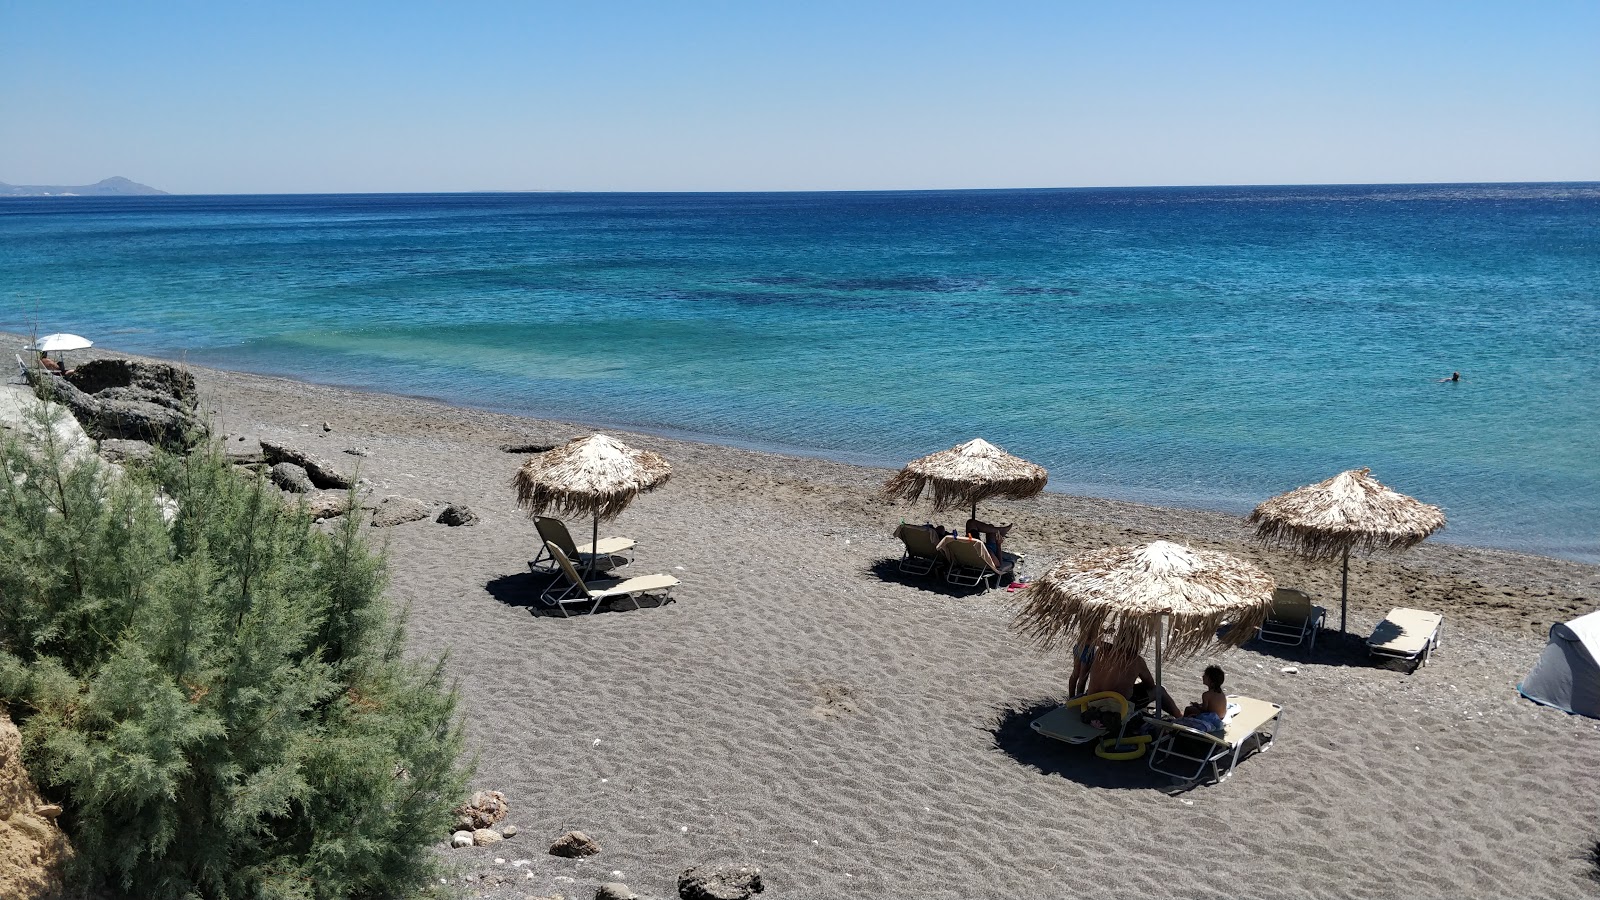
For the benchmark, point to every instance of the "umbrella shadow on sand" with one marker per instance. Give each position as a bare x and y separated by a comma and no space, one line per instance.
888,569
1333,649
1013,737
522,590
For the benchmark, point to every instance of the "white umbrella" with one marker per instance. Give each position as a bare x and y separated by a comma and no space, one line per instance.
51,343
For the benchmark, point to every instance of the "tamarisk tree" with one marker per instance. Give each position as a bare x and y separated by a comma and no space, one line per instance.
214,688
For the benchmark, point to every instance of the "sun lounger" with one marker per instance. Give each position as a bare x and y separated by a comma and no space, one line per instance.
1184,752
1411,634
971,564
22,369
1066,723
572,589
921,553
1294,619
602,556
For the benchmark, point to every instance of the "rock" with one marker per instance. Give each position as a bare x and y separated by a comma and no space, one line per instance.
322,473
243,451
358,451
614,890
485,808
1289,670
118,450
574,845
706,883
326,504
461,839
510,831
48,811
457,514
394,510
485,836
118,398
326,427
292,478
160,379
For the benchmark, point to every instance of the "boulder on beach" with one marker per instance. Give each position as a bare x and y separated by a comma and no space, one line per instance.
320,471
457,514
292,478
483,809
730,883
395,510
119,450
574,845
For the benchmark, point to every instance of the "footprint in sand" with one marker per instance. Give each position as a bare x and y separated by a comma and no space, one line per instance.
834,700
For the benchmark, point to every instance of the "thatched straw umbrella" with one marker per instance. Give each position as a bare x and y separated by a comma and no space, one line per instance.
967,474
595,475
1135,591
1350,511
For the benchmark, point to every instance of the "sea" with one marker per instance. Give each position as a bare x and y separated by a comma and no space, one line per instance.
1199,347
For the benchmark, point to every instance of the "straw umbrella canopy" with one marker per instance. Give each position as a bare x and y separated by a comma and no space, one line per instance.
1177,594
590,476
966,475
1350,511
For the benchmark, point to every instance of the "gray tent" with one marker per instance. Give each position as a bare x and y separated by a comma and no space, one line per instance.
1567,675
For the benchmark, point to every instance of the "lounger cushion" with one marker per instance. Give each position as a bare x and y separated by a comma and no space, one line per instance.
640,585
1405,632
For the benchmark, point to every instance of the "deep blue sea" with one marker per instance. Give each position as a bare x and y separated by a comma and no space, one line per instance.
1202,347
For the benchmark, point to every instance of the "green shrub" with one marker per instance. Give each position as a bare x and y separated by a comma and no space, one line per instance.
221,702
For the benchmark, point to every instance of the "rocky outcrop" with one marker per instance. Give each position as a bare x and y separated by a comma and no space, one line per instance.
574,845
120,398
706,883
154,382
118,450
320,471
33,850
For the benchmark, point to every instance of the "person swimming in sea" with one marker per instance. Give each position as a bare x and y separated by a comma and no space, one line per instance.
1454,377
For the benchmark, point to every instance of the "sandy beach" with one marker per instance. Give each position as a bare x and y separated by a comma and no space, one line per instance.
804,708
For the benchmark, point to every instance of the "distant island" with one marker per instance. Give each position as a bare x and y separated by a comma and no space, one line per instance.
116,186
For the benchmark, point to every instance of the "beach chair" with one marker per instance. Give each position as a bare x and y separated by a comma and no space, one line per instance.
1294,620
971,564
1066,723
1184,752
602,556
1409,634
22,369
571,589
921,553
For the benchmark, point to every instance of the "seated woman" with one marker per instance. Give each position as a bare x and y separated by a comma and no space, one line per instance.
992,535
49,364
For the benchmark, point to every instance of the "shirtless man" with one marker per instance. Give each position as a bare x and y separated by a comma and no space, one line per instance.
1128,675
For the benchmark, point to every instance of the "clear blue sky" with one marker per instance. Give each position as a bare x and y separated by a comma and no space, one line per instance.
218,97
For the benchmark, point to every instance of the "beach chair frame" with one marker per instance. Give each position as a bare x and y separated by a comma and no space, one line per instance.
968,567
607,555
1065,723
1185,753
1398,618
571,589
1296,630
921,554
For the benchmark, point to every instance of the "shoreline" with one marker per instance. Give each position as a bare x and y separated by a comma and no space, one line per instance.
863,461
804,708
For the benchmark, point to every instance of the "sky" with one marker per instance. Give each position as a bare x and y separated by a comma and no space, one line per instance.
287,97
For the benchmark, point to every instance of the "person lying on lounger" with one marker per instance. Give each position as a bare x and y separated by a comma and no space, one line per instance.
992,535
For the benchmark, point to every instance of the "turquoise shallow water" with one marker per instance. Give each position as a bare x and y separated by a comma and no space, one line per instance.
1187,346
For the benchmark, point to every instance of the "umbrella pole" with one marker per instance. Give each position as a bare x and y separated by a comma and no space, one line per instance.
1344,588
1161,628
594,545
